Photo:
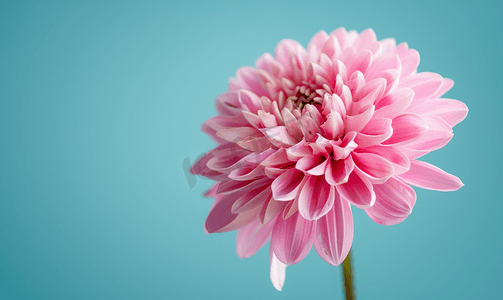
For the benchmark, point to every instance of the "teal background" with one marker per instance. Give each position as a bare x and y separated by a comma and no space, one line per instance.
101,102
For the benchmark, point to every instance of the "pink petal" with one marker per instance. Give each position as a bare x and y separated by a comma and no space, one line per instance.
247,172
252,237
309,128
247,78
334,233
270,209
426,176
292,238
334,126
400,161
342,36
221,218
267,119
338,171
376,131
394,104
424,85
359,62
358,190
378,168
435,138
409,59
318,40
451,111
232,186
341,150
316,198
279,136
286,186
407,128
331,47
255,143
249,101
446,86
299,150
394,202
358,122
365,38
291,123
251,199
277,159
236,134
285,50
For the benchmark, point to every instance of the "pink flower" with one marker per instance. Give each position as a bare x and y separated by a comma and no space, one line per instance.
308,133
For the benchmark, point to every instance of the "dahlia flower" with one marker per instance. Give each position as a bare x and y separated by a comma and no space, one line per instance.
308,133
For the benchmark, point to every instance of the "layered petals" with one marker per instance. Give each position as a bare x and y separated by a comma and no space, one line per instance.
311,131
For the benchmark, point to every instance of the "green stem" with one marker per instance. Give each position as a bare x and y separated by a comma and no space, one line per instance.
349,287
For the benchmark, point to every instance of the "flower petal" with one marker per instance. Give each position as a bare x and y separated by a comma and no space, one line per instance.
221,218
316,198
338,171
394,104
286,185
400,161
252,237
426,176
358,190
376,132
292,238
334,232
451,111
251,199
279,136
278,271
406,128
249,101
394,202
375,166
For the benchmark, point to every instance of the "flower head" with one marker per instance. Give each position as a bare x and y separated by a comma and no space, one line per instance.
310,132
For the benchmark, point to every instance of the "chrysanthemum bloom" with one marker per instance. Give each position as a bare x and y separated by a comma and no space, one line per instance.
308,133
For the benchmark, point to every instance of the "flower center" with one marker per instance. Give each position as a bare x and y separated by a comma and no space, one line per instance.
303,95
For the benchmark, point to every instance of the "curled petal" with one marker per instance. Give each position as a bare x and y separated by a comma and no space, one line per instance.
338,171
334,126
376,132
358,190
394,202
407,128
